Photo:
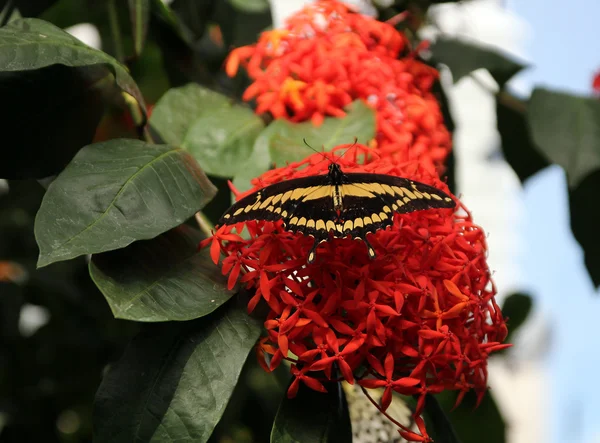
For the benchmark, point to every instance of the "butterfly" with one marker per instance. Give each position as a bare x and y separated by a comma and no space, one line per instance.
353,204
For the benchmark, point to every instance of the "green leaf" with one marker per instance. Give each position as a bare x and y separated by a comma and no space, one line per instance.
30,44
468,421
442,427
566,128
175,379
313,417
258,162
139,11
517,145
222,141
39,60
176,111
463,57
29,8
240,27
64,121
218,134
584,222
162,279
285,139
516,308
251,5
115,193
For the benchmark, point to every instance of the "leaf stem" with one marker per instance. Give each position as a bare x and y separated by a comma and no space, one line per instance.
7,12
113,21
507,99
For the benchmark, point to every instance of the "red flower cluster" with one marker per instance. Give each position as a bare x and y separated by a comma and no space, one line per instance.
326,57
419,318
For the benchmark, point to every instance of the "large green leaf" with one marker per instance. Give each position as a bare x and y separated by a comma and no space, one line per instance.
176,111
516,308
473,425
463,57
313,417
218,134
222,140
175,379
517,145
442,428
165,278
139,11
566,128
114,193
584,222
52,82
33,44
282,141
285,139
258,162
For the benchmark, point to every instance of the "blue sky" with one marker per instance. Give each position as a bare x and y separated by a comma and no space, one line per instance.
564,50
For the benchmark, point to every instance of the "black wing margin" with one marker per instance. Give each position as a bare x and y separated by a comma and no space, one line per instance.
370,200
399,194
276,202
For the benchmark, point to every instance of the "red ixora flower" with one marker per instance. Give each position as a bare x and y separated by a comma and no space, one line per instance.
419,318
326,57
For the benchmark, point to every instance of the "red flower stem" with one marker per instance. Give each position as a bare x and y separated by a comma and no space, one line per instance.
396,422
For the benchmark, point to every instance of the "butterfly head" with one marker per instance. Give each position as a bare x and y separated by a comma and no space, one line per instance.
335,173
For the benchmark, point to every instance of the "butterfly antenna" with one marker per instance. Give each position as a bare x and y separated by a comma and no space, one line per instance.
318,152
349,148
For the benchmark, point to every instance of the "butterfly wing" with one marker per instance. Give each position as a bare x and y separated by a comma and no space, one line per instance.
290,201
306,205
400,194
369,201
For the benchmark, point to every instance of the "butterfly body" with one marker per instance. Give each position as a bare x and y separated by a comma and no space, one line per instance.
336,203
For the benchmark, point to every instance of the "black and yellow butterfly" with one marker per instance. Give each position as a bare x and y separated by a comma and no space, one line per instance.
352,204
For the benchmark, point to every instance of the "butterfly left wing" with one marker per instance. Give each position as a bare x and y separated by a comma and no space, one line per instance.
281,201
305,205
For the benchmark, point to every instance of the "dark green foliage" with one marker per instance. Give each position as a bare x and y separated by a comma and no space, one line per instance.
175,379
516,308
517,145
463,57
471,424
327,414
